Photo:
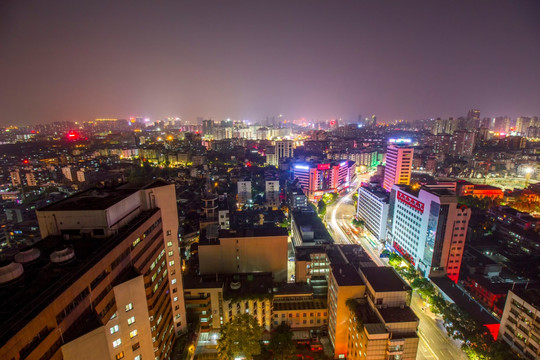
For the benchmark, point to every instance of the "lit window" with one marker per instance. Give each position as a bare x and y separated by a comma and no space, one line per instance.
171,263
129,307
138,357
173,281
131,320
175,298
169,244
120,355
171,253
114,329
133,333
117,342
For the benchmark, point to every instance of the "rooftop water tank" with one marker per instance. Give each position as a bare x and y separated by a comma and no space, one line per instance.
10,271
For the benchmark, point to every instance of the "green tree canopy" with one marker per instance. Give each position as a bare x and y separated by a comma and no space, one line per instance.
240,338
281,342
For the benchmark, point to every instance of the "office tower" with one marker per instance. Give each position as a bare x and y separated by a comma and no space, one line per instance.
244,192
398,166
520,322
104,281
463,143
318,178
429,229
373,209
272,192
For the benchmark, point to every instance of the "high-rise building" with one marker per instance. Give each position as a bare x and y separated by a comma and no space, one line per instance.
463,143
501,124
522,123
272,192
283,149
244,192
398,166
474,115
444,126
104,281
429,228
373,210
15,177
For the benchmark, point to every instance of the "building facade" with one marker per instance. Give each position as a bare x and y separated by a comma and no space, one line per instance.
373,208
398,166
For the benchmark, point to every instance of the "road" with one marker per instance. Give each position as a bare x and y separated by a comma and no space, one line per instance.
434,344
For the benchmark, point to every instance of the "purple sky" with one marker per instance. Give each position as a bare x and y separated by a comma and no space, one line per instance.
78,60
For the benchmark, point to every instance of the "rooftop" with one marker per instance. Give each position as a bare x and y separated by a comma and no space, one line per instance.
384,279
44,281
346,275
91,199
396,314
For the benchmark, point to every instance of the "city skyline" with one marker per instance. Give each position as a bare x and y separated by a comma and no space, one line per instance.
249,61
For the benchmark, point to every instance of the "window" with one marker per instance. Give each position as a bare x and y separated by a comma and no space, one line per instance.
170,253
131,320
114,329
173,281
171,263
168,232
116,343
169,243
138,357
120,355
135,346
175,298
133,334
129,307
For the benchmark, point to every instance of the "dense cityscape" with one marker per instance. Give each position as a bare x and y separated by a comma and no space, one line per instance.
269,180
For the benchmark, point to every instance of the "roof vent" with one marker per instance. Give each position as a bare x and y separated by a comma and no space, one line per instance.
62,256
235,285
10,271
27,256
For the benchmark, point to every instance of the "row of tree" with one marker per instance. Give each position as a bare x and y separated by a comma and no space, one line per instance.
478,343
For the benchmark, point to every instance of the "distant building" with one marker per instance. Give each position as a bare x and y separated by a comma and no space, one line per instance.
319,178
244,192
272,192
398,166
463,142
15,177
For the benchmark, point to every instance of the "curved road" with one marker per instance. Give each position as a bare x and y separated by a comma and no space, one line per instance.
434,343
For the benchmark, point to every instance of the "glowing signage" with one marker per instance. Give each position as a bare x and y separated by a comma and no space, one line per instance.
301,167
323,166
400,141
343,163
409,200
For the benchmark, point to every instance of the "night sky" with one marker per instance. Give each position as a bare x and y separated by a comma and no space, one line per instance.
78,60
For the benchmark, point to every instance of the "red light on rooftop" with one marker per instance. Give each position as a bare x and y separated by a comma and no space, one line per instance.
25,161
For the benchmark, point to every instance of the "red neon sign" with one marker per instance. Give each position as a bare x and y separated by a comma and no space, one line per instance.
412,202
323,166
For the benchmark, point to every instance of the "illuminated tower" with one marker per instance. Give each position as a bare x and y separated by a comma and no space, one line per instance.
398,165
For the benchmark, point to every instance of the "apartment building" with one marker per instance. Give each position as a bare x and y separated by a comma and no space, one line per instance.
105,280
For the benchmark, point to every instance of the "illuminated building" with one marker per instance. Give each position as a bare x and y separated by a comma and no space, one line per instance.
398,164
244,192
463,142
283,149
520,322
272,192
316,179
373,209
104,282
429,229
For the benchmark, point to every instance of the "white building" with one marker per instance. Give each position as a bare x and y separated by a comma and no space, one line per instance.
244,192
398,166
373,208
520,323
429,228
272,193
283,149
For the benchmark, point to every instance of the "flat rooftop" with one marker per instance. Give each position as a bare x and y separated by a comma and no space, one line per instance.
384,279
91,199
43,281
346,275
314,304
396,314
259,232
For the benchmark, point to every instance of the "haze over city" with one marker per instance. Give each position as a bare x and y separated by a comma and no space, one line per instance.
73,61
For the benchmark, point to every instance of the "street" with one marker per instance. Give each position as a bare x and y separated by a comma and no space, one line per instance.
434,344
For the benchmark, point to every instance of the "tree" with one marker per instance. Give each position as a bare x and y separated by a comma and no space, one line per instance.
240,338
321,207
281,342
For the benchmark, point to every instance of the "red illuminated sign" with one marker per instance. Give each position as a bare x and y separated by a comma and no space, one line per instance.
412,202
323,166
